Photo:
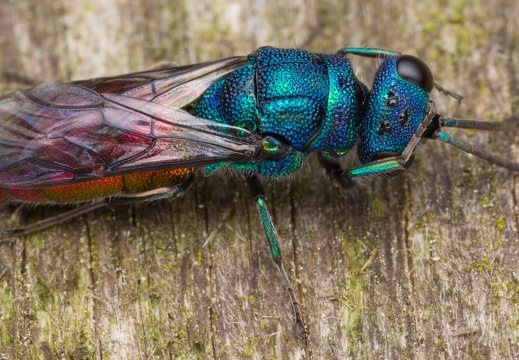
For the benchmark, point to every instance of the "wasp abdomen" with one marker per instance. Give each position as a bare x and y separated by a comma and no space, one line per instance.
110,186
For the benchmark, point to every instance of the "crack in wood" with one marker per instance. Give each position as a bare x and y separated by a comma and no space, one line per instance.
92,286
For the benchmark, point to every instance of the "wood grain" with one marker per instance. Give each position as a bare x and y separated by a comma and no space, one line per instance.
420,266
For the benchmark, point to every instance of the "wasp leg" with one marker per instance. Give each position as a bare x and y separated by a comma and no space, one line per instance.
162,193
447,92
370,52
46,223
156,194
270,231
332,166
388,167
351,177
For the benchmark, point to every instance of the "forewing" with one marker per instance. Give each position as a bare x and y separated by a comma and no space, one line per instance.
171,86
57,134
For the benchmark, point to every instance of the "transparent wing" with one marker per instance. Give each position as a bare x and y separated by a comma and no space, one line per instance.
56,134
172,86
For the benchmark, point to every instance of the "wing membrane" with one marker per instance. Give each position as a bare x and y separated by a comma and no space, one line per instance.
161,83
57,134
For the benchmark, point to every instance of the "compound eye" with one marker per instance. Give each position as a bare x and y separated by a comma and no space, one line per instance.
415,71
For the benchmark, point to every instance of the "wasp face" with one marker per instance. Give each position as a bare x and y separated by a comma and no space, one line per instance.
397,106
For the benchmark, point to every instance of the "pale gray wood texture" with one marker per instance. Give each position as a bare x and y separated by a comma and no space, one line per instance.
420,266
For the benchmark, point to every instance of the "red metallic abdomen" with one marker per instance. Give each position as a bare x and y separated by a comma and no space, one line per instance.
96,189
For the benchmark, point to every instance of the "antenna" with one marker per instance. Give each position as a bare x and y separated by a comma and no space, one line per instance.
474,150
479,125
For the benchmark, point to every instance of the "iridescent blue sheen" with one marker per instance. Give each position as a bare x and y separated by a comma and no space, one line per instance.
347,98
312,101
231,100
395,110
292,91
274,168
376,168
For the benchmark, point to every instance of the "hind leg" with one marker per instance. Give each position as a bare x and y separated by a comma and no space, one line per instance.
172,192
157,194
46,223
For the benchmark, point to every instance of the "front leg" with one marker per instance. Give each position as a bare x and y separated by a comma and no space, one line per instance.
348,178
370,52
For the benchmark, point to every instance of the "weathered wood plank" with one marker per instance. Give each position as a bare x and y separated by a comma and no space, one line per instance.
420,266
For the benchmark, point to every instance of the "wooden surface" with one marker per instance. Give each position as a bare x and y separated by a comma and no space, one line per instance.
421,266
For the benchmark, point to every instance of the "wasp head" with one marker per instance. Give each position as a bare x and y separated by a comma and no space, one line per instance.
397,107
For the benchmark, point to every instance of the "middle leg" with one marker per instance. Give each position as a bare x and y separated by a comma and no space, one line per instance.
273,239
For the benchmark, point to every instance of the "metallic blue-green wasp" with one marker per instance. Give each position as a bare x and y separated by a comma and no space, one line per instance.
141,136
